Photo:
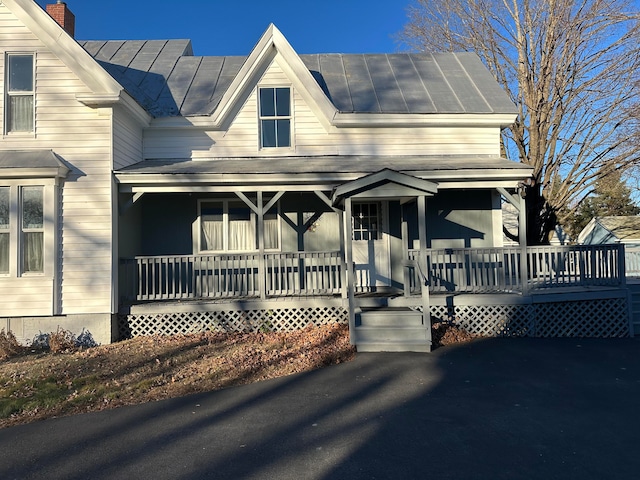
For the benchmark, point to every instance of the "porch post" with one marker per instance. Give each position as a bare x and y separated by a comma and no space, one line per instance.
348,235
422,236
262,268
522,238
343,260
405,251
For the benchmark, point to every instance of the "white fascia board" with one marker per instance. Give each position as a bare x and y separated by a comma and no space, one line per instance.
63,45
360,120
50,172
419,119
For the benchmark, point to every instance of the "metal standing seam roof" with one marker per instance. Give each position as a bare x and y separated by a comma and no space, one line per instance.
337,164
168,80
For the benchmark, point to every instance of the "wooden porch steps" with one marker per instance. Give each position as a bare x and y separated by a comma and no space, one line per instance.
392,329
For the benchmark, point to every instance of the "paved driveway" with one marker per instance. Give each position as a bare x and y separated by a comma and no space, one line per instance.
494,409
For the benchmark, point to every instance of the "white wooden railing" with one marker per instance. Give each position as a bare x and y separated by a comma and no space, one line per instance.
169,277
486,270
469,270
632,261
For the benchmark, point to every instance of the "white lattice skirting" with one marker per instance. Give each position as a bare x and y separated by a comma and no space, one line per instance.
606,317
262,320
600,318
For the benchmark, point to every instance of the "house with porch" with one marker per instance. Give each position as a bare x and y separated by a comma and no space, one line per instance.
147,190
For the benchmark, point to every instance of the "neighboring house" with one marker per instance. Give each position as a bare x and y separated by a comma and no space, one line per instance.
613,229
147,190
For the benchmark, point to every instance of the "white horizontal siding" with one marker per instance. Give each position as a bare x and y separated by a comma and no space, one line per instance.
82,137
26,296
127,140
311,138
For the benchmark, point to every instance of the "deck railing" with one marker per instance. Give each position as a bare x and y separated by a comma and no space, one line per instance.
487,270
169,277
466,270
632,261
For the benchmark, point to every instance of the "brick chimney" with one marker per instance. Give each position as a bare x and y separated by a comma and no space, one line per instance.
61,14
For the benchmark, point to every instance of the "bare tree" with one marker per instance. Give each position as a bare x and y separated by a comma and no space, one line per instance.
569,66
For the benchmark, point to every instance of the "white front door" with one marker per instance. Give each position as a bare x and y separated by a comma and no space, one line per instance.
371,246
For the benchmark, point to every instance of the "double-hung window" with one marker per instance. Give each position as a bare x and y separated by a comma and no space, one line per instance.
275,117
20,93
231,226
22,229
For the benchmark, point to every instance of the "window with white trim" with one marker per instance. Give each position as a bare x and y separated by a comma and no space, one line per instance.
20,93
275,117
22,229
231,226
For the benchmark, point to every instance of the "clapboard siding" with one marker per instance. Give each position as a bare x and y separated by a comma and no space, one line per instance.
26,296
127,140
82,137
312,138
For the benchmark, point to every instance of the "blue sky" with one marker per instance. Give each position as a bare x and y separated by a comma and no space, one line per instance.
232,27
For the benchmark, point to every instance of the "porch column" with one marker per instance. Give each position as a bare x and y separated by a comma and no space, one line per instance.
262,268
522,238
422,236
348,236
405,252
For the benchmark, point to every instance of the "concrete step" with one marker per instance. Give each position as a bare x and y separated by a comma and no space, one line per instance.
393,346
389,317
391,334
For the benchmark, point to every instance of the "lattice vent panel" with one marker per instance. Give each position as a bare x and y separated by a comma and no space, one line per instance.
593,318
276,320
492,320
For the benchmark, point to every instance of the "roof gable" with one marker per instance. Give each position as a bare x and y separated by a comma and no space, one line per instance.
385,183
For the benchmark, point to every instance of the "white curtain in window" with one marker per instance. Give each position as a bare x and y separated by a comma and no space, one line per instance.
4,253
21,115
242,235
212,235
33,252
271,233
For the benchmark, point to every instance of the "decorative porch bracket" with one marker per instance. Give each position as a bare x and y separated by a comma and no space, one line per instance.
136,196
259,208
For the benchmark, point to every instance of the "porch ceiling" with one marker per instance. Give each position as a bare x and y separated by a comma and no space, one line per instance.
464,171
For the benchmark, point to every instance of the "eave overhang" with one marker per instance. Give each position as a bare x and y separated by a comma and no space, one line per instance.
31,164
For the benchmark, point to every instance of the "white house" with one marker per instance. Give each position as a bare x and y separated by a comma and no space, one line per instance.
144,189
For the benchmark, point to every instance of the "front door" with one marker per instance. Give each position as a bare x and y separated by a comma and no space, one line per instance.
371,246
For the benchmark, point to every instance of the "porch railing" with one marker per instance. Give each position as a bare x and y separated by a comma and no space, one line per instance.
465,270
487,270
178,277
632,261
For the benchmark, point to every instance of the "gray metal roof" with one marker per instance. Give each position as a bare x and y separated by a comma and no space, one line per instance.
337,164
167,80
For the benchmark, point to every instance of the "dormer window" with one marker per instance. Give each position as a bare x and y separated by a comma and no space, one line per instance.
275,117
20,93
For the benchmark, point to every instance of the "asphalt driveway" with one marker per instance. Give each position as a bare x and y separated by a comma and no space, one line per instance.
494,409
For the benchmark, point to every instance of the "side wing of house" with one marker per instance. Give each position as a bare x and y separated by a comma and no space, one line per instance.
56,190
